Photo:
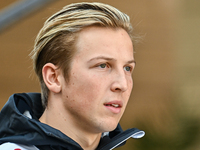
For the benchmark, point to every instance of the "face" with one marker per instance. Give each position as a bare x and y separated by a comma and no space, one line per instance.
100,81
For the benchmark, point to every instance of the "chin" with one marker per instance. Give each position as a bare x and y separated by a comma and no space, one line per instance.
110,126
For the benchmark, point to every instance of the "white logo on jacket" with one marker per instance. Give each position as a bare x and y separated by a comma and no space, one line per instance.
13,146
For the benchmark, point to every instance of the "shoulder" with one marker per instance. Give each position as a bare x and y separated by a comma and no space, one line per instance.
13,146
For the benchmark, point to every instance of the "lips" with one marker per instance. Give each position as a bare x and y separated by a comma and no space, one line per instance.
114,106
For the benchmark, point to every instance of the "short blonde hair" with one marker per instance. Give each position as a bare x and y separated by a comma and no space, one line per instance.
55,42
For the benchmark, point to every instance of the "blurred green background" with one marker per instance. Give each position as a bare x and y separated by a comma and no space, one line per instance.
166,95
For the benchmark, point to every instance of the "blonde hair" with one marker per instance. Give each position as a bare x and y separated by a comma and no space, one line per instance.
55,42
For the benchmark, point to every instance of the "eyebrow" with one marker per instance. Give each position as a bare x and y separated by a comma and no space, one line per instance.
108,58
132,61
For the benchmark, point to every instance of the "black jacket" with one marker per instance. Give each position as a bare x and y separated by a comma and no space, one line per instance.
15,127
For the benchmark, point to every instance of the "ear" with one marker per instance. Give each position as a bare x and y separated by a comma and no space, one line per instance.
51,76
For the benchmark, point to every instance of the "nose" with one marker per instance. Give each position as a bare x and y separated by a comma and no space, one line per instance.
119,82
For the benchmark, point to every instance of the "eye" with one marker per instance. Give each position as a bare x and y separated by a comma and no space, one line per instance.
103,65
128,68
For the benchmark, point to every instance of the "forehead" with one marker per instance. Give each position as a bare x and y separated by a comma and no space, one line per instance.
104,39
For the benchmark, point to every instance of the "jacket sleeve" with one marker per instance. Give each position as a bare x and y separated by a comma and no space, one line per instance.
13,146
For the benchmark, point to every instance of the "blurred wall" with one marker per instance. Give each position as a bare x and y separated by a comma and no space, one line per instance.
166,78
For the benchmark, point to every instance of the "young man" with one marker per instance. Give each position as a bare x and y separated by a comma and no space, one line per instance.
83,57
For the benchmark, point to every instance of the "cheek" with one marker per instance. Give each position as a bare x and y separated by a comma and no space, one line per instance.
84,90
130,83
129,90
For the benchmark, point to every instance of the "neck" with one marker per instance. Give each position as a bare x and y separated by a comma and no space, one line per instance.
55,116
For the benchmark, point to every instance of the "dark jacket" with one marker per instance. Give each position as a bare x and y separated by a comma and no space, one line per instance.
17,126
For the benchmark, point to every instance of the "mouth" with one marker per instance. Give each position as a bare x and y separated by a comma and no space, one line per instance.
114,106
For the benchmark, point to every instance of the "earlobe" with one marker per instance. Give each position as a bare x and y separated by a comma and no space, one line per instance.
51,75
